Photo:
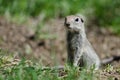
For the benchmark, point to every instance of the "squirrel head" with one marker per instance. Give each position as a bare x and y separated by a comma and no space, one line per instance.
74,23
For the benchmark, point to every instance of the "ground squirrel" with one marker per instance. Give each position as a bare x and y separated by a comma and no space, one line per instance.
80,51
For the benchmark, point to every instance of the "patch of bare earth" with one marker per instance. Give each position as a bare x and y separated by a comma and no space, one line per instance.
19,40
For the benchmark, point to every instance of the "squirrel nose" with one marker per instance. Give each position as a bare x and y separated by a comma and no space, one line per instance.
66,23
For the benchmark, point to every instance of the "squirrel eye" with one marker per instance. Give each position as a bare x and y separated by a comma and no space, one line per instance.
76,19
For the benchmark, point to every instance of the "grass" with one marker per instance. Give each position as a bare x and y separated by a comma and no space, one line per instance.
39,34
25,71
104,12
36,7
15,69
107,14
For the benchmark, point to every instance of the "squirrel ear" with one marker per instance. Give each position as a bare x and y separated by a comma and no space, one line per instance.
82,20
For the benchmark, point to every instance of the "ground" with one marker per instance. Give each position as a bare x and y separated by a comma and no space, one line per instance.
19,39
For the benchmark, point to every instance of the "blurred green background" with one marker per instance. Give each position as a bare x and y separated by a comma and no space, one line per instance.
105,12
100,13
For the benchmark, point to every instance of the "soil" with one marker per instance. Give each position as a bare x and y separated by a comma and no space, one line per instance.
19,39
